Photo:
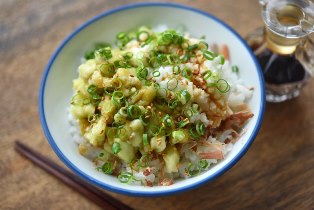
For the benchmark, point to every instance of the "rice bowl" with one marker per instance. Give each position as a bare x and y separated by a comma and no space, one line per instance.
56,89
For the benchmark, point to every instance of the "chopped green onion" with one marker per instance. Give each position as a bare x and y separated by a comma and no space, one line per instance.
207,74
92,91
111,132
142,74
142,36
156,73
154,130
200,128
145,139
118,98
194,134
121,35
107,69
116,148
173,104
202,164
144,161
193,47
222,86
125,177
109,90
116,83
185,96
128,55
91,54
190,171
186,57
104,53
187,73
107,168
202,45
188,113
176,70
209,55
183,123
222,59
235,69
134,112
168,121
172,84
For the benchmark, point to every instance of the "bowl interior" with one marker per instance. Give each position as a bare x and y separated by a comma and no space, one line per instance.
56,89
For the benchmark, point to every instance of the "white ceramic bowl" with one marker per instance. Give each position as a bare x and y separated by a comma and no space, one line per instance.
56,87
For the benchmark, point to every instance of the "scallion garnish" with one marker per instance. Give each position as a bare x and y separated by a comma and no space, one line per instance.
118,98
222,59
104,53
116,148
134,112
107,69
200,128
202,45
142,36
222,86
154,130
176,70
172,83
209,55
192,47
207,74
142,74
156,73
128,55
184,96
145,139
183,123
187,73
144,161
125,177
235,69
106,168
92,90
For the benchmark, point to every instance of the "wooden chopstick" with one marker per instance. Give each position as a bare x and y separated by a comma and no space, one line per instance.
97,196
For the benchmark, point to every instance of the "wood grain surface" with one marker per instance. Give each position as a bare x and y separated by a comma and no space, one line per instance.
276,173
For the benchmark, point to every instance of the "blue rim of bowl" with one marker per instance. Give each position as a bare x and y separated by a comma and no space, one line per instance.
169,191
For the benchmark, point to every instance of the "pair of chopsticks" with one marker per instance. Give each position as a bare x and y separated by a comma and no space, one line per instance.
97,196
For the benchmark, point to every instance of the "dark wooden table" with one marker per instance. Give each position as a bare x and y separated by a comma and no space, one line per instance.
276,173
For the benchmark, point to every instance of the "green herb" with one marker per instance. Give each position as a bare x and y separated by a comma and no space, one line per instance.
172,84
200,128
134,112
222,59
176,70
92,90
116,148
202,45
91,53
209,55
104,53
118,98
183,123
156,73
126,177
145,139
106,168
207,74
142,36
235,69
222,86
107,69
185,96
